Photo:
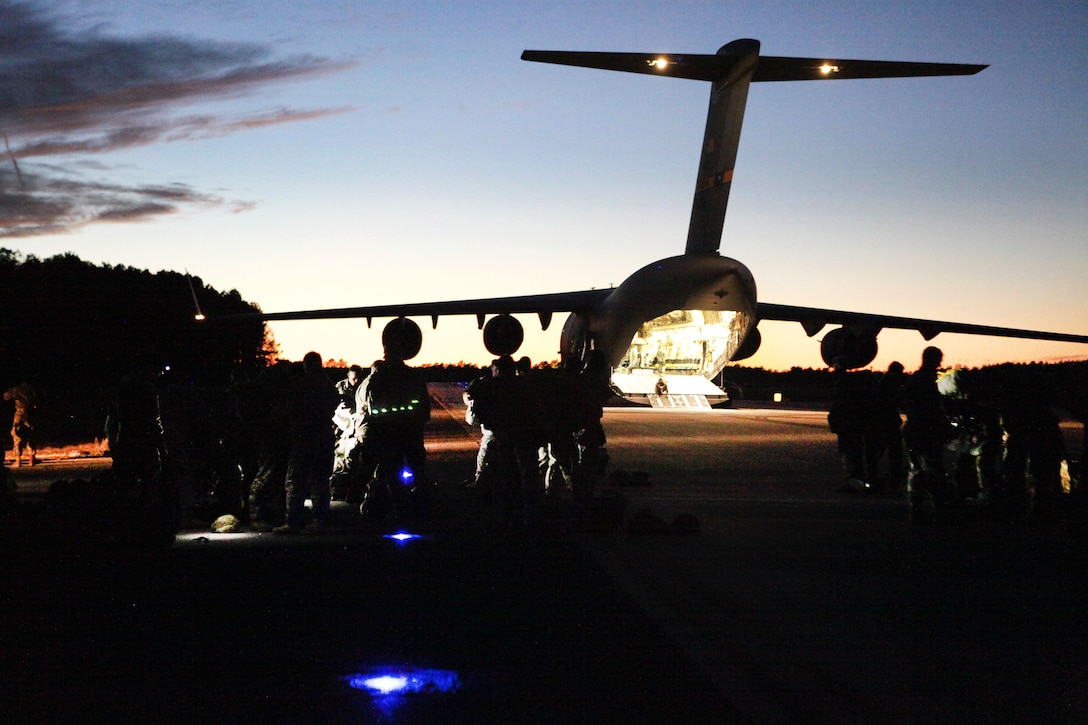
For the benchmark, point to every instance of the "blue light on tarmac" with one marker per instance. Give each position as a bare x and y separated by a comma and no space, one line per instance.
406,476
403,681
383,685
402,537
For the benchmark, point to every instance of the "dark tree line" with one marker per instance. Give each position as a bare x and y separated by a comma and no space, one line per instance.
1063,385
64,321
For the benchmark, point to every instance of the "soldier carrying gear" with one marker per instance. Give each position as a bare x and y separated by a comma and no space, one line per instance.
347,387
507,405
392,409
310,402
925,433
22,424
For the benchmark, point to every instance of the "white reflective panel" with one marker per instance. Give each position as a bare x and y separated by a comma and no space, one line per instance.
211,536
686,342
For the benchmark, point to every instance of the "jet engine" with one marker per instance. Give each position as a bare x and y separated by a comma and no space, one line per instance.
401,339
852,348
503,335
574,340
750,345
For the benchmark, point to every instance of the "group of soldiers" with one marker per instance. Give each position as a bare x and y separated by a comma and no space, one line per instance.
996,453
259,449
380,459
865,417
541,434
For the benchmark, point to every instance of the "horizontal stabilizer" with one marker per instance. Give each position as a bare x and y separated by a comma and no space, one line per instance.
692,67
770,68
774,68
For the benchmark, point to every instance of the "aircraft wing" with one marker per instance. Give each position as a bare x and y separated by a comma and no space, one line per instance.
814,320
541,305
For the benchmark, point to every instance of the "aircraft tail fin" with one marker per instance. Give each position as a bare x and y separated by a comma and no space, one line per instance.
731,70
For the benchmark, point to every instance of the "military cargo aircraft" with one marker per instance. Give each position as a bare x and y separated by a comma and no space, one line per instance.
683,318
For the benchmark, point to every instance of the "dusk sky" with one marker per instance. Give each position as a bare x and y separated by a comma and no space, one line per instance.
339,153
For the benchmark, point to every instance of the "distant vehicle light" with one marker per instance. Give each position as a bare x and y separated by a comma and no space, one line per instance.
658,63
828,69
198,317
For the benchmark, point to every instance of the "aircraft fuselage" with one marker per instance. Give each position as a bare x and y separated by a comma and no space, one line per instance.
685,314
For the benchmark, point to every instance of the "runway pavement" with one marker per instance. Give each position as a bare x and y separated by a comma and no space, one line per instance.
792,603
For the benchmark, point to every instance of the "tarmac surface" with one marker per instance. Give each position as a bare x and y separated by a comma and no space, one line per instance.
792,602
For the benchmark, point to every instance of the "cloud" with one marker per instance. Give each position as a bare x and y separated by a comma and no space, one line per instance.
65,93
56,203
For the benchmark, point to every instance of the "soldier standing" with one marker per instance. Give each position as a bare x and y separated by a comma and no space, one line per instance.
925,433
311,402
135,432
849,419
506,406
22,423
887,433
347,387
393,407
593,392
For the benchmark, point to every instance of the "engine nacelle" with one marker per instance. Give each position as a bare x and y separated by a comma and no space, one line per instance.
401,339
503,335
574,341
750,345
850,348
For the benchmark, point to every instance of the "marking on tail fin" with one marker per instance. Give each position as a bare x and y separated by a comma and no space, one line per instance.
711,181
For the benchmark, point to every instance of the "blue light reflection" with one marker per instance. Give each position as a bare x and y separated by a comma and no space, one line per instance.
403,681
383,685
402,537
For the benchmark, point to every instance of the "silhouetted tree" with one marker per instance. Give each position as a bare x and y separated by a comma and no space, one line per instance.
66,319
